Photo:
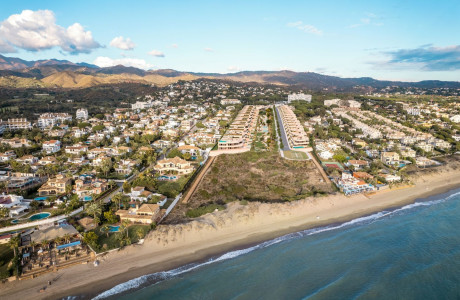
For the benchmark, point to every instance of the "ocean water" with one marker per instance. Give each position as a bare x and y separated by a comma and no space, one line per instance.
411,252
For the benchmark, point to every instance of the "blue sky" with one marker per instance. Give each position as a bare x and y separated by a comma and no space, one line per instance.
414,40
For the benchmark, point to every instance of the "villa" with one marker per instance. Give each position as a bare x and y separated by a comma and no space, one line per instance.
52,146
55,186
146,214
92,187
174,165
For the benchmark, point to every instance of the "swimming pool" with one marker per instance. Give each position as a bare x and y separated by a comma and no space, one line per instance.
114,228
87,198
39,216
164,177
41,198
15,221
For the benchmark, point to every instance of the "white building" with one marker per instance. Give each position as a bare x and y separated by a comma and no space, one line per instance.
332,102
17,124
299,97
52,146
82,114
51,119
229,101
455,119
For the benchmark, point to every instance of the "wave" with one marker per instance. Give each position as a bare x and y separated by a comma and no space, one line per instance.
160,276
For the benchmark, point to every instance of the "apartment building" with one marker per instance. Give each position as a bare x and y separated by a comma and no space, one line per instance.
52,146
82,114
52,119
295,132
240,133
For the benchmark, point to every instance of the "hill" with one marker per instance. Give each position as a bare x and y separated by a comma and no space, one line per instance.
15,72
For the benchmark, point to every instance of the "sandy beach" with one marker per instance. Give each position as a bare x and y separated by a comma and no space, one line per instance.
237,227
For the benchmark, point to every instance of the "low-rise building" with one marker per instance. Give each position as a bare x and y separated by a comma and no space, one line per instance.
55,186
146,214
174,165
52,146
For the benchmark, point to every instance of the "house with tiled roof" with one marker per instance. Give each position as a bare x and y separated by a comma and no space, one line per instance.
174,165
146,214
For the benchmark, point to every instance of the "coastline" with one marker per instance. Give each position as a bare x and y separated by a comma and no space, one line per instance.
238,227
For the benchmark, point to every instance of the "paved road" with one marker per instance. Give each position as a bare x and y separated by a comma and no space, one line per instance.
283,133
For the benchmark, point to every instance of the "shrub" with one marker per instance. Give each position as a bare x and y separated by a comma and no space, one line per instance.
196,212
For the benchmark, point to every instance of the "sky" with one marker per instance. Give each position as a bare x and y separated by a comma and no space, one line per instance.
408,40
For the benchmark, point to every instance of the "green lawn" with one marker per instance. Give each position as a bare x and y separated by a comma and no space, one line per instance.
295,155
112,240
6,255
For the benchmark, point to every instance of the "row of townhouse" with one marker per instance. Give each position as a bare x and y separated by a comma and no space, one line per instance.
295,132
239,134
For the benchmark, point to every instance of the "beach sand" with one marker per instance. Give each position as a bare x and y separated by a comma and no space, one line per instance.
237,227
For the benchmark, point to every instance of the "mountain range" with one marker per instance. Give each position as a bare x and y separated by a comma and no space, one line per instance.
53,73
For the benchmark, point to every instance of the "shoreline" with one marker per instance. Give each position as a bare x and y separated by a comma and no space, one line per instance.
238,227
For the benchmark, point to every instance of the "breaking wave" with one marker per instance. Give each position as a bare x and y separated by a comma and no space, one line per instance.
149,279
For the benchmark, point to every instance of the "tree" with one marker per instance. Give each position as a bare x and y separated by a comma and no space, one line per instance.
139,233
4,212
340,158
105,229
126,187
187,156
124,227
173,153
106,166
14,243
117,199
94,209
90,238
110,217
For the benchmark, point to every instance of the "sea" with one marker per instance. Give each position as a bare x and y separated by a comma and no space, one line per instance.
411,252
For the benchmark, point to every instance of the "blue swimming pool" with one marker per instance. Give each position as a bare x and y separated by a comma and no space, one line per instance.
41,198
87,198
165,177
39,216
16,221
114,228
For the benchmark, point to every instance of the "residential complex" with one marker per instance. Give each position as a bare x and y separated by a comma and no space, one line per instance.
240,133
295,133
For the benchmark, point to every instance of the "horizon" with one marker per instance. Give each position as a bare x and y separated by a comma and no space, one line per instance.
393,41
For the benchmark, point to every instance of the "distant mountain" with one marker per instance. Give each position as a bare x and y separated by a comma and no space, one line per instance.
16,72
13,63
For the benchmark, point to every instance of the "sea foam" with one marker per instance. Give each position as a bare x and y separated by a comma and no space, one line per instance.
160,276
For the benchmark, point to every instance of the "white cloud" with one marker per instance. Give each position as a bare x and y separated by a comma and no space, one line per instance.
156,53
175,45
208,49
122,43
305,27
6,48
104,62
368,20
37,30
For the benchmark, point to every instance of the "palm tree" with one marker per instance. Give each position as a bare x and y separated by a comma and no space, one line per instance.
94,209
139,233
14,243
105,229
33,244
124,226
67,237
58,240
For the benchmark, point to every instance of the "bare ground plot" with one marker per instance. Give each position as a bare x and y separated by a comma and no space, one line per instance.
252,176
